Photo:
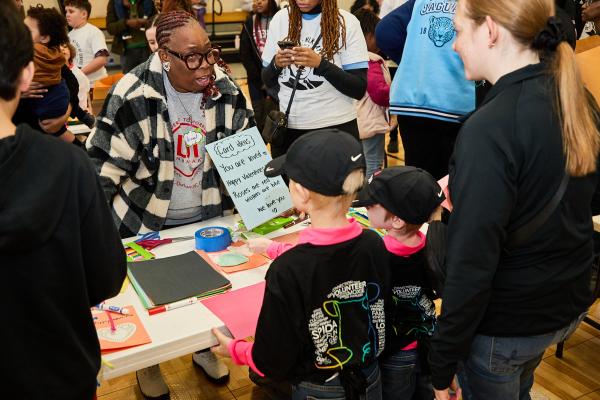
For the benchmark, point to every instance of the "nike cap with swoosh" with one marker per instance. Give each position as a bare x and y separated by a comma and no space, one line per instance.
409,193
320,161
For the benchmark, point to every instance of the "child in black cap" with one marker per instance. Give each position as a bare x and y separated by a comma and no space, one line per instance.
322,322
401,200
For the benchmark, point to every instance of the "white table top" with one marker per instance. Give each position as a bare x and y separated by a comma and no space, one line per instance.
184,330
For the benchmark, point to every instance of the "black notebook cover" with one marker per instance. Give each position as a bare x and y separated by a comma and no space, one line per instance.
167,280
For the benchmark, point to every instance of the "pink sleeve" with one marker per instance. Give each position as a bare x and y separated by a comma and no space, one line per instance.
377,87
241,354
276,249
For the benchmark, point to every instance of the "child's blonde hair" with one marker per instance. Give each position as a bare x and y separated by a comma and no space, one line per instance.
352,185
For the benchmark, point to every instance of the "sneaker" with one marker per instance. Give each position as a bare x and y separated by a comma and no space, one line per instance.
212,366
151,383
392,146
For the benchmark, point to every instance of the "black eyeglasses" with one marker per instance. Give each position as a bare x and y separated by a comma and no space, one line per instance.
194,61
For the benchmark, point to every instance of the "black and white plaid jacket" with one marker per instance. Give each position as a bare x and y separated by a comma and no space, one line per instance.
132,147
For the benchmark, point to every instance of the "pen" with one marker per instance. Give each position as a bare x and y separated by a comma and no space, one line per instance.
172,306
115,309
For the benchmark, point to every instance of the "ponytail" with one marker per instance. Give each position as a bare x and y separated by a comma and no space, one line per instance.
581,140
532,24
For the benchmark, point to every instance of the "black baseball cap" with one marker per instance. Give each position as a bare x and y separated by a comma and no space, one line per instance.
320,161
409,193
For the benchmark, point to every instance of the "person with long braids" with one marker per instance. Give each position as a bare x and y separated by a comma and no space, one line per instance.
524,185
148,145
331,77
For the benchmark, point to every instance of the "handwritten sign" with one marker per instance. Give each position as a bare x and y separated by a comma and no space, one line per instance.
240,160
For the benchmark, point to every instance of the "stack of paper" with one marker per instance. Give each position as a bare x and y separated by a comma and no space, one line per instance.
167,280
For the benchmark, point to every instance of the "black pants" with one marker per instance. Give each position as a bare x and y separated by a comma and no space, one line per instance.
428,143
291,135
131,58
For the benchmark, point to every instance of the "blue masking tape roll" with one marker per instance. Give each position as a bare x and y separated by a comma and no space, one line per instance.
213,238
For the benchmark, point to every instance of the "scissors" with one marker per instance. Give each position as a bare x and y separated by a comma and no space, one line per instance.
151,240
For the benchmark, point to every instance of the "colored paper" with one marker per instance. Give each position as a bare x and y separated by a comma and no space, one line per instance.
125,330
240,160
170,279
229,260
254,260
135,252
447,204
239,309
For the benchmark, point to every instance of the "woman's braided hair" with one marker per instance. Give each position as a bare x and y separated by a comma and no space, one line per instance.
170,22
332,24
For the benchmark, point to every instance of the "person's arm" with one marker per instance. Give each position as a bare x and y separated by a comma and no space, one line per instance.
278,327
96,64
377,87
270,74
248,53
114,25
112,144
276,330
35,91
100,50
103,255
352,83
476,234
390,32
57,126
73,87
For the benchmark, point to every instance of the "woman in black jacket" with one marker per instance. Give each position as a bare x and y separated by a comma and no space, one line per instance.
526,160
252,43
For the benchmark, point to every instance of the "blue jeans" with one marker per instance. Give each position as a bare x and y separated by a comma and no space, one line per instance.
333,390
374,149
502,367
399,374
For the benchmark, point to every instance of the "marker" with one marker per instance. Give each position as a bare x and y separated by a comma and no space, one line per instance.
115,309
172,306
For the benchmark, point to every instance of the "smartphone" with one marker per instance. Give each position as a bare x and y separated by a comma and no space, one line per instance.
285,44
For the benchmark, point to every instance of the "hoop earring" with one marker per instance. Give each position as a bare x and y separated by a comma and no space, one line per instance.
213,77
166,66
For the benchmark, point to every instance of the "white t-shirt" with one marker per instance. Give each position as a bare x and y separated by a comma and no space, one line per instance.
188,124
316,104
388,6
88,40
84,87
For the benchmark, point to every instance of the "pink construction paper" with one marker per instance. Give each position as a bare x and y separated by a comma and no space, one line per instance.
447,204
238,309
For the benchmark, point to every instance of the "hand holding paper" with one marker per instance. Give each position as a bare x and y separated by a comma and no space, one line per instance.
222,348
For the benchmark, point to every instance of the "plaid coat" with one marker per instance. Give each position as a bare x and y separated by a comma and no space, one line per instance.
133,152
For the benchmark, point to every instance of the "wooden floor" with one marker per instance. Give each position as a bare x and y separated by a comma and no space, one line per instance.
576,376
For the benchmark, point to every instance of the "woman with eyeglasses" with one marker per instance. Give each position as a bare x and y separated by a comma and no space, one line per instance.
149,142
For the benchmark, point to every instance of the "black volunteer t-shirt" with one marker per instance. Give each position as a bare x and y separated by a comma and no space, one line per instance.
323,309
